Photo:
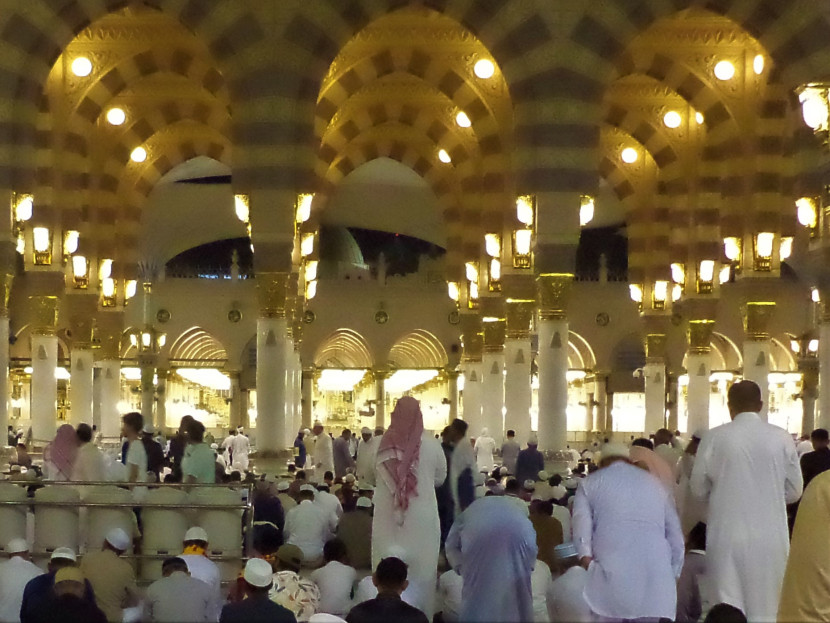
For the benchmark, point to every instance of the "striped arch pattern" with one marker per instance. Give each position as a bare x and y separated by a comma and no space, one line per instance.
197,344
419,349
344,348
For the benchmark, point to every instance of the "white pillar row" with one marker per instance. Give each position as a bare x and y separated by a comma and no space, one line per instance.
809,393
110,381
147,365
44,386
699,368
235,416
307,397
271,384
757,317
471,397
82,373
452,393
518,358
288,430
298,392
654,374
600,398
492,388
823,416
5,386
161,398
553,291
380,397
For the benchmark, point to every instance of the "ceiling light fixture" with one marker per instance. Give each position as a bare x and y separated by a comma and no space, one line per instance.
116,116
758,64
672,119
139,154
724,70
462,120
484,68
82,67
629,155
443,156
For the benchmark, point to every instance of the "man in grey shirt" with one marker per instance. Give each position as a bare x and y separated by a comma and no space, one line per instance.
510,452
178,597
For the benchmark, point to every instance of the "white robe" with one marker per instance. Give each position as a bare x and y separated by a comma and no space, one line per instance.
240,446
420,534
748,470
323,455
367,452
485,447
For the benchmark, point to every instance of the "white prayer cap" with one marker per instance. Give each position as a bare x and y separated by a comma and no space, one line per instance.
503,471
306,431
214,446
610,450
64,553
543,475
323,617
571,483
365,431
364,503
308,487
195,533
349,478
16,546
565,550
317,423
529,484
282,486
533,440
118,539
258,572
363,486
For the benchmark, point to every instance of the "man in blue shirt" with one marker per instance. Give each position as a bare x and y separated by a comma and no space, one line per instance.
39,590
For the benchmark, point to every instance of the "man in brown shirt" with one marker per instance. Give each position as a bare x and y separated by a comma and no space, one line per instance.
112,577
548,530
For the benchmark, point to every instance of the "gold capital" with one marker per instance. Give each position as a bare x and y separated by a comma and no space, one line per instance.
271,291
109,327
553,290
757,317
472,337
495,330
6,280
519,317
655,345
45,314
700,336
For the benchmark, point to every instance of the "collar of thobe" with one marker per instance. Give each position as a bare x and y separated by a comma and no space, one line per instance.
745,415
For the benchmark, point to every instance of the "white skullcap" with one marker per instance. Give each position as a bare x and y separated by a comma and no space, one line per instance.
503,470
349,478
16,546
308,487
196,533
365,487
323,617
571,483
214,446
543,475
258,572
317,423
529,484
610,450
365,431
564,550
364,503
118,539
282,486
64,553
533,440
306,431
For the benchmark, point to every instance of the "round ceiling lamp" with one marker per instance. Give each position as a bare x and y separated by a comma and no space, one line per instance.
443,156
758,64
484,68
82,67
116,116
462,120
629,155
139,154
724,70
672,119
699,118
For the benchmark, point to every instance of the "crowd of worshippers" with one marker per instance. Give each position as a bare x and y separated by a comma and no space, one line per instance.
402,526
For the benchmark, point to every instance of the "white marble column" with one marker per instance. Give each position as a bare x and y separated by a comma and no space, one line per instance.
271,384
654,374
492,395
756,367
82,371
380,398
289,432
553,383
110,380
148,389
161,399
517,391
5,386
308,397
823,418
452,393
471,397
44,386
809,393
600,397
699,391
235,415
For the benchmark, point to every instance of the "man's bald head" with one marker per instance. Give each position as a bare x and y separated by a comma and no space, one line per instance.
744,396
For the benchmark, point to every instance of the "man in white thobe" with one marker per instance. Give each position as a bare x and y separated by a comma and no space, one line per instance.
367,451
628,537
15,573
485,447
240,447
323,455
749,471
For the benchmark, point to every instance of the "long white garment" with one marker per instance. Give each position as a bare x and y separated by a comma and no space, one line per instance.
563,516
15,573
240,446
541,584
690,508
367,452
227,444
89,465
323,456
567,601
620,513
485,447
420,534
749,471
450,588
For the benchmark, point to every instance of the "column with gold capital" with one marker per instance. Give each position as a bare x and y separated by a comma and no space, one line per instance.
699,368
654,375
109,326
308,397
517,362
6,279
452,391
271,362
472,341
757,317
492,387
44,312
553,291
81,311
822,419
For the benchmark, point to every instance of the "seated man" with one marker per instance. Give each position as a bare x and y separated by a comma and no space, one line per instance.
299,595
177,596
336,579
256,607
390,580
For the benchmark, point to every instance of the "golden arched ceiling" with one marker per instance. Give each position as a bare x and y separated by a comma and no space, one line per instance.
177,107
419,349
344,348
196,345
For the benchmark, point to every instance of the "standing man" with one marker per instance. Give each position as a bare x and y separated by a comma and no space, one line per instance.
227,447
510,452
299,450
812,463
749,471
323,455
485,447
367,451
241,446
530,461
89,463
620,512
343,460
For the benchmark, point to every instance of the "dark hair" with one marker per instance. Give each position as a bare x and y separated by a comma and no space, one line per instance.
328,476
555,480
300,475
724,613
84,432
820,434
459,425
643,443
196,431
744,396
697,536
391,572
134,421
334,549
511,486
173,564
511,433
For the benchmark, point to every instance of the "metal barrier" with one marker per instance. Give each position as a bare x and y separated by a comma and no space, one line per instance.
247,508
